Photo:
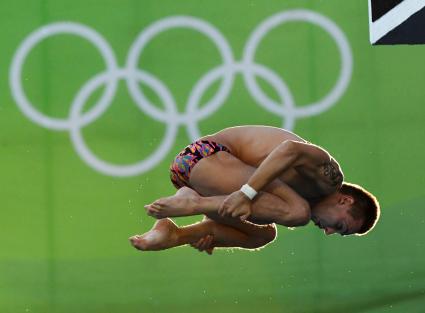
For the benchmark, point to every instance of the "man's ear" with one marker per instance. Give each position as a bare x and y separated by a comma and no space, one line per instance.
346,200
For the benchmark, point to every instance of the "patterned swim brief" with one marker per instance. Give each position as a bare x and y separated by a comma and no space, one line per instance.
186,160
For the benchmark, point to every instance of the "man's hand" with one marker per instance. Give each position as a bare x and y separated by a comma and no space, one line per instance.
204,244
236,205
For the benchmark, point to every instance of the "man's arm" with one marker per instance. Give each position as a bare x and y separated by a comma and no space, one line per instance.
289,154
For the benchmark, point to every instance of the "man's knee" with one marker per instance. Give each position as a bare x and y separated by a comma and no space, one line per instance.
302,215
267,235
299,215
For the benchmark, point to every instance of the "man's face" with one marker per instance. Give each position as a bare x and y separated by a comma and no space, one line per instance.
332,215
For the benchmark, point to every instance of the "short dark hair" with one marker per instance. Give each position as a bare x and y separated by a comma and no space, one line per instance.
365,207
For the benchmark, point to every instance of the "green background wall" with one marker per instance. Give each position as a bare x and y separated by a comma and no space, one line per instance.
64,225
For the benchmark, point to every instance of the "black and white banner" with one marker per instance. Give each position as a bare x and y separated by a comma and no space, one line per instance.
397,22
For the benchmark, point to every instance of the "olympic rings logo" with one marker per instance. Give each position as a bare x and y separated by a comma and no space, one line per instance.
132,75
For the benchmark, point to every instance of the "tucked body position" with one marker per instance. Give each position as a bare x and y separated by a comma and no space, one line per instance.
247,179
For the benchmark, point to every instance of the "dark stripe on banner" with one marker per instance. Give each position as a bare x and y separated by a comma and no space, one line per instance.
380,7
411,31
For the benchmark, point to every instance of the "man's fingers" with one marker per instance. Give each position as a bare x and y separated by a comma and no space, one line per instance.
221,210
227,210
203,244
245,216
197,244
235,213
210,250
206,243
194,245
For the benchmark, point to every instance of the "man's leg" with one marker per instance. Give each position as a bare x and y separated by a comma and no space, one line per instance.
214,177
217,176
266,208
222,174
165,234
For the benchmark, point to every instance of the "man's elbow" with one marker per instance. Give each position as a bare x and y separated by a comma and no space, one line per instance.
289,148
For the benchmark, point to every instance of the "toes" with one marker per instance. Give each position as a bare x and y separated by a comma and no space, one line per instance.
151,210
155,210
157,206
153,213
150,207
132,239
139,245
159,203
157,214
136,242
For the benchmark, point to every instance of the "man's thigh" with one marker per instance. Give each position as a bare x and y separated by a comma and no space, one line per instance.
219,174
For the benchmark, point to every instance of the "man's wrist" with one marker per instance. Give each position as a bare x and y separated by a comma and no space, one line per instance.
248,191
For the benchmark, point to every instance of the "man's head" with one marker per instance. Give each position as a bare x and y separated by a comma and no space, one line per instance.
351,210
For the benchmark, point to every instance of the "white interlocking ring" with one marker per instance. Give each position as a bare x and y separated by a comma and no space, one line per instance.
195,111
44,32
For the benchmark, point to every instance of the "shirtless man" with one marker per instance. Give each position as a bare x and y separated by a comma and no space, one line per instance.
245,179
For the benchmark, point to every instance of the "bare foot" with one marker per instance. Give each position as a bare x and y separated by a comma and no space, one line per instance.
163,235
183,203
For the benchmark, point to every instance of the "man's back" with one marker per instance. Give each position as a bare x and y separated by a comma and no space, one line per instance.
252,144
